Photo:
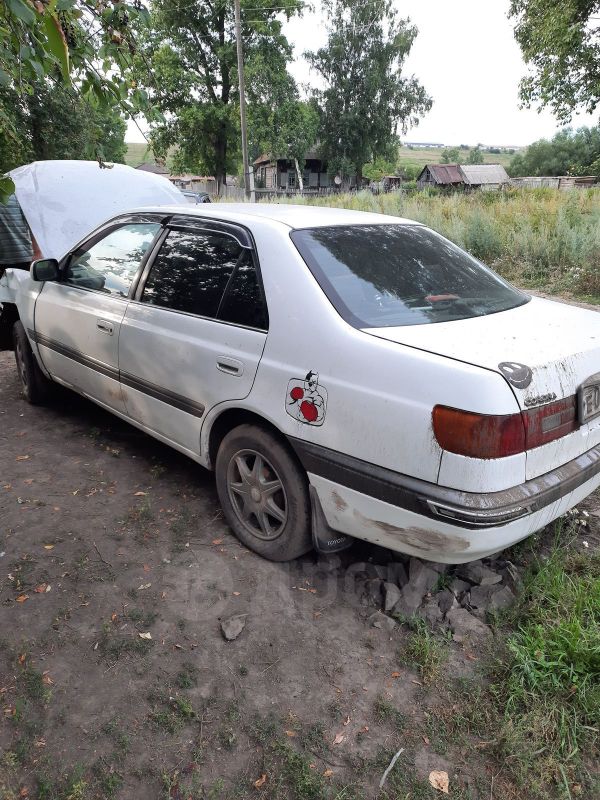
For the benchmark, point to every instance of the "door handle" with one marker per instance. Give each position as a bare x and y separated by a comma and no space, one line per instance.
104,326
230,366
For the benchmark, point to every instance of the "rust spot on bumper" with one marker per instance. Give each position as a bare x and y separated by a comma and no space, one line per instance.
427,541
339,501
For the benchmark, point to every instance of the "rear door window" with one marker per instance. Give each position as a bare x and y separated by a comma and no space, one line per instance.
191,271
389,275
210,274
243,302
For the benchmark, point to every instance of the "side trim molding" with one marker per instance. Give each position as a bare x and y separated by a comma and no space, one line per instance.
164,395
74,355
151,389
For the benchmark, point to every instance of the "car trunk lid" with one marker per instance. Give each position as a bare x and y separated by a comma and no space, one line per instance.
545,350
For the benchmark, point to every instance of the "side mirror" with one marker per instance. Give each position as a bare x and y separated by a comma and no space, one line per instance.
44,269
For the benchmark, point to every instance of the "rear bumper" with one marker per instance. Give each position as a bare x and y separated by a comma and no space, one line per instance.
434,522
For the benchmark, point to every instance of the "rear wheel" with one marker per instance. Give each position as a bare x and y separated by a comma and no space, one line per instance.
264,493
34,383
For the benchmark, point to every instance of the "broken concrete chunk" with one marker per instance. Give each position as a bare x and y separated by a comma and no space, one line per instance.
512,577
421,577
391,596
478,573
328,563
491,598
232,627
411,598
396,573
380,620
365,569
458,586
441,569
445,600
466,626
431,612
371,594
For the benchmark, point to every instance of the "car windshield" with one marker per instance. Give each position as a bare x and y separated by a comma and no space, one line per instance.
381,276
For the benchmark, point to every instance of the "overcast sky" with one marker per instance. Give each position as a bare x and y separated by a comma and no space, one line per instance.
466,57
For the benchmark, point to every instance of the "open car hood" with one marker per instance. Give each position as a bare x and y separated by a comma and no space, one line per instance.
64,200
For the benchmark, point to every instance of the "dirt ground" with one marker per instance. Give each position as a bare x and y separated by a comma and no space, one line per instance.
116,569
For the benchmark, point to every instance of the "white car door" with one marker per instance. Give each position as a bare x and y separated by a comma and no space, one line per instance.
194,333
78,319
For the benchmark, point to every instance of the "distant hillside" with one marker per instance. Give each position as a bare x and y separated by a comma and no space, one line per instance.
136,153
433,155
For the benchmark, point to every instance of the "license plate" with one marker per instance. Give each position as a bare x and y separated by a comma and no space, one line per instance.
589,399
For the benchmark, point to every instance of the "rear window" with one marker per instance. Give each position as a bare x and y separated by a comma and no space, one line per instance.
381,276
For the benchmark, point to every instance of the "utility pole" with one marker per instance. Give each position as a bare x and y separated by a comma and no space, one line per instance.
240,63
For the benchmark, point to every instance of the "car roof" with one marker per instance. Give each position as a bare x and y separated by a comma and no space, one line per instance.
293,216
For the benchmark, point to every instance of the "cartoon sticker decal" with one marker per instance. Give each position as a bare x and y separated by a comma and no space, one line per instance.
306,400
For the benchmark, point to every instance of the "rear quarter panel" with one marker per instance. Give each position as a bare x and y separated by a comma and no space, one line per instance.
379,394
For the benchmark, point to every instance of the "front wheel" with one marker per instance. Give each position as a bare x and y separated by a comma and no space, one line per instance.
264,493
34,383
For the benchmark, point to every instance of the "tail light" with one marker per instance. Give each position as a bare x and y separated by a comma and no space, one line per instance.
501,435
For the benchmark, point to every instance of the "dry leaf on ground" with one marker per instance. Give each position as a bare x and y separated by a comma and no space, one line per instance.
147,635
260,781
22,597
339,738
439,780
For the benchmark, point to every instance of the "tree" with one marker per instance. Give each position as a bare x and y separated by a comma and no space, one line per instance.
567,153
283,125
560,40
191,48
475,156
86,46
53,122
366,98
375,170
450,155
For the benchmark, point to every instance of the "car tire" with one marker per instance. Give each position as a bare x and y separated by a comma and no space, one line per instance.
264,493
35,385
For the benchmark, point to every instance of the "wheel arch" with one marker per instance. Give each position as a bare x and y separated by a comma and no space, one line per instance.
231,418
8,316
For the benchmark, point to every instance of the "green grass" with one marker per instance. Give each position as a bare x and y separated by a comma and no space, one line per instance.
187,677
538,238
549,689
424,650
385,712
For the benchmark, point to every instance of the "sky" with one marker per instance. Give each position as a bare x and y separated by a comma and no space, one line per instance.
468,60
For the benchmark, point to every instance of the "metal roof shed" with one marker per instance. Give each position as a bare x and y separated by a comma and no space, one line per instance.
484,174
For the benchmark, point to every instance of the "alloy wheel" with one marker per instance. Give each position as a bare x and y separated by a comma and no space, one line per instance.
257,494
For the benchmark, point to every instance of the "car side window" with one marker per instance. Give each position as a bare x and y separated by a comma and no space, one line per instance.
191,271
243,302
111,263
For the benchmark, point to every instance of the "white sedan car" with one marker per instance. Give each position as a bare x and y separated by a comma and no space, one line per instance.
344,374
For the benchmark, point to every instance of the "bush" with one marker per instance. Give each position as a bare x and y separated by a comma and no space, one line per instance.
535,237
